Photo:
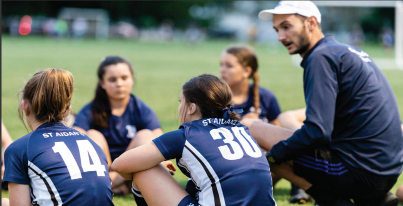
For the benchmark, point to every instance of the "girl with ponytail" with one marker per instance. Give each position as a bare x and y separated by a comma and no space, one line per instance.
238,64
54,164
225,163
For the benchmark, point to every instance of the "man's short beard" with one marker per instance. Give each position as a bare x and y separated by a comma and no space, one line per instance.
303,44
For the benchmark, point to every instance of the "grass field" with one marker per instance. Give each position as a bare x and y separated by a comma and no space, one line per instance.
160,71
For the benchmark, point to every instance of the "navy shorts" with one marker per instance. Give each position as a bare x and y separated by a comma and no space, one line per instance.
327,171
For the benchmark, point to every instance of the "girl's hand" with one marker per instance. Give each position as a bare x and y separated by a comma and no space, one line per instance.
2,172
251,115
169,166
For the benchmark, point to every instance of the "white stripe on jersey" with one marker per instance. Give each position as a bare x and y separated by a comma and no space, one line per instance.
199,175
136,192
183,166
39,187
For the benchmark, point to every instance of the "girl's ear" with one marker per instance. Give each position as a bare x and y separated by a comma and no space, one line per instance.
248,72
67,111
25,107
192,108
101,83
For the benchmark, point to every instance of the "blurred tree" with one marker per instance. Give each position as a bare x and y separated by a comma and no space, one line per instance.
373,25
143,13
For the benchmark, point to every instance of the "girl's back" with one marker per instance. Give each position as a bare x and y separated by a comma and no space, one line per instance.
223,160
61,166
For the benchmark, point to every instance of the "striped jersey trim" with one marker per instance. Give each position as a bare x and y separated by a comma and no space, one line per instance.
213,185
204,176
321,165
39,181
136,192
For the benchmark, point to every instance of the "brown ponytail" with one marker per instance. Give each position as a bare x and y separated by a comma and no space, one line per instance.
211,94
49,94
256,95
247,58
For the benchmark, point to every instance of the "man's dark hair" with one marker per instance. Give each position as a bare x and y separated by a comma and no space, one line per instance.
302,18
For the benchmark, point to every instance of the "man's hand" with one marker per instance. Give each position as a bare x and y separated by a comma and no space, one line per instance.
169,166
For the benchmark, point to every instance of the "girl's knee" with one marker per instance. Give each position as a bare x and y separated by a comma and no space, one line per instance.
94,133
142,137
98,138
145,133
399,193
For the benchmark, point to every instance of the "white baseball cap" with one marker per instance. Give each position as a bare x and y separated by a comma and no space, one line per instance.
303,8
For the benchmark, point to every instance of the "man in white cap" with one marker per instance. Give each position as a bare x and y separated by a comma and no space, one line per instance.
351,143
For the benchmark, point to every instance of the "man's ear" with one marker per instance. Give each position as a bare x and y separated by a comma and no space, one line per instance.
192,108
312,23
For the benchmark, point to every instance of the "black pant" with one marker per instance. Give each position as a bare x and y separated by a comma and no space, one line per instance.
331,177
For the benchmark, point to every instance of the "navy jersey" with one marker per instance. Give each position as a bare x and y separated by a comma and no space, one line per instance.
268,107
351,109
121,131
61,166
224,161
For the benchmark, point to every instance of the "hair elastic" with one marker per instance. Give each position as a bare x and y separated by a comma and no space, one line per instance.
227,111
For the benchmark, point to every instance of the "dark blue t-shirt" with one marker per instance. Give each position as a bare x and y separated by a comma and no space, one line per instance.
351,109
61,166
268,107
224,161
121,131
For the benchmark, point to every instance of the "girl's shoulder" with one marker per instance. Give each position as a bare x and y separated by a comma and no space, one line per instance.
86,109
263,92
266,92
19,145
137,104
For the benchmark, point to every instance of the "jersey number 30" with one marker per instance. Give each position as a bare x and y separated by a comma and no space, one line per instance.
86,151
251,148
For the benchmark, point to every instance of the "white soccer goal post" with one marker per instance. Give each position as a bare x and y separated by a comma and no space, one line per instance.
397,62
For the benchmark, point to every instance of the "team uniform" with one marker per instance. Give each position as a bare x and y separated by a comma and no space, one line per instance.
350,107
61,166
121,131
224,162
268,105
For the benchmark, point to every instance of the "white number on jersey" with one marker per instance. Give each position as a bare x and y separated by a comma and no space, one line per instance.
86,151
242,137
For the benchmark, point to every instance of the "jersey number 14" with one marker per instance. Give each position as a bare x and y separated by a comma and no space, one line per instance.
86,151
250,147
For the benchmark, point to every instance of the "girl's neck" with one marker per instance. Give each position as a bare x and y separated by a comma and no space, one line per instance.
118,107
34,124
240,92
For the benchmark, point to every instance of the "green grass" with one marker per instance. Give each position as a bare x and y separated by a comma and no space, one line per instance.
160,71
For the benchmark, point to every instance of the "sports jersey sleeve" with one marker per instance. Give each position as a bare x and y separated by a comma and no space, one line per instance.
16,162
321,89
83,119
274,109
171,144
149,118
